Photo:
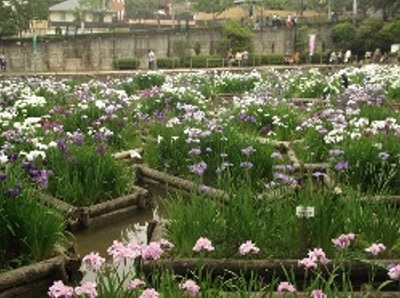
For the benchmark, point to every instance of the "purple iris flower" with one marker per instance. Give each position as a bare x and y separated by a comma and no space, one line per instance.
283,177
12,157
101,149
3,176
198,168
246,164
62,146
383,155
40,177
13,191
195,151
79,139
248,150
342,165
335,152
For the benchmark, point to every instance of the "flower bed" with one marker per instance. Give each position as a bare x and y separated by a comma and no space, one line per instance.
102,213
59,138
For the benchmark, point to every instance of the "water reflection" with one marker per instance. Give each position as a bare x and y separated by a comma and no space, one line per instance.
100,239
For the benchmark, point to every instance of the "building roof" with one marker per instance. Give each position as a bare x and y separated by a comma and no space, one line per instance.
67,5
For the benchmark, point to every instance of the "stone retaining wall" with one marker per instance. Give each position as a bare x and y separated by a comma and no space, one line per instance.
98,52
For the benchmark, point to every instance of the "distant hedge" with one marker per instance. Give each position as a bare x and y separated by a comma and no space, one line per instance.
208,61
167,63
126,63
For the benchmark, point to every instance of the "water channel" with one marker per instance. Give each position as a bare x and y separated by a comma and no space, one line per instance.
99,239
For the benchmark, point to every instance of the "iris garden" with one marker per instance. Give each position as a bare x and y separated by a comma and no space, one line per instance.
237,132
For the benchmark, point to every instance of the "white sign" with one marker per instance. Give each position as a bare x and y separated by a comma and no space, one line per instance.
395,47
305,211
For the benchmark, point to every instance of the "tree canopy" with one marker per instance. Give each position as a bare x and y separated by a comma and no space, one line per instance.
16,15
215,6
141,9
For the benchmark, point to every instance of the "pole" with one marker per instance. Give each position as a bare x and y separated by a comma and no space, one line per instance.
35,46
354,10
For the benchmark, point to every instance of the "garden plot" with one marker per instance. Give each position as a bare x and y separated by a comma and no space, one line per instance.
59,139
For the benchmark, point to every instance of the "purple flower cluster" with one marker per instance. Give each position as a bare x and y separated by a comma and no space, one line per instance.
198,168
247,118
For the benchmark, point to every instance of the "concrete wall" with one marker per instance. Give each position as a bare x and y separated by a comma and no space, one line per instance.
97,52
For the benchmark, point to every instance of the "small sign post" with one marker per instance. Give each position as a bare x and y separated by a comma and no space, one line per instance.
303,213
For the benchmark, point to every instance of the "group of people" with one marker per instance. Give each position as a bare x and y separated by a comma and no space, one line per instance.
338,57
376,57
241,58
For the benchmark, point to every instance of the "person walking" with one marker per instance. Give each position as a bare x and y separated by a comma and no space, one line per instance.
151,57
238,58
3,62
245,58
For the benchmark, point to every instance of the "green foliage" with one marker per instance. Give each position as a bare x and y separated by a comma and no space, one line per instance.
368,36
182,50
83,177
126,63
197,48
265,59
301,43
344,35
215,6
167,63
7,23
392,30
206,61
367,172
29,231
141,9
162,155
25,11
244,216
237,37
148,80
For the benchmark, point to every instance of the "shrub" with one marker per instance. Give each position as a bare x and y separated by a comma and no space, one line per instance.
167,63
257,60
29,231
126,63
182,51
344,35
206,61
197,48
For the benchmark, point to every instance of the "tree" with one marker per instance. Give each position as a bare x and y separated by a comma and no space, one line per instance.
369,37
392,30
389,8
215,6
7,24
97,7
182,50
141,9
237,37
25,11
344,35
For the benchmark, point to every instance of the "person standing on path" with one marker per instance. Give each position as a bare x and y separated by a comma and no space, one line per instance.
151,57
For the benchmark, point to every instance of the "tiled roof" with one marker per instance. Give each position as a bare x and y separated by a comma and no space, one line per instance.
68,5
65,6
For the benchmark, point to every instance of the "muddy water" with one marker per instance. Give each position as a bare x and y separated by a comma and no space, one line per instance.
98,239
